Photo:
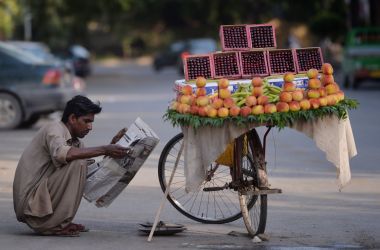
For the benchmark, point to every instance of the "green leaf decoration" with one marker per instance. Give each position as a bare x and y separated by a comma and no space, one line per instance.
280,120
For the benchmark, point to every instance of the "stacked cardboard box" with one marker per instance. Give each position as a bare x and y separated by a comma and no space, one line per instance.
250,50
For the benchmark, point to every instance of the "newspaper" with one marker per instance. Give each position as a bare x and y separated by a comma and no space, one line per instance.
107,179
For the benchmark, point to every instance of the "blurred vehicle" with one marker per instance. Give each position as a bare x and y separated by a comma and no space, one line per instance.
31,87
42,51
38,49
361,58
80,58
174,54
196,46
169,56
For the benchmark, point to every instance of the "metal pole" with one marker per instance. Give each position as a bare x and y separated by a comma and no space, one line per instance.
165,195
265,139
27,23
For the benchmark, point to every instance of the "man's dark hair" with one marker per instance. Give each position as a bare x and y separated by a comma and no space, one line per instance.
80,106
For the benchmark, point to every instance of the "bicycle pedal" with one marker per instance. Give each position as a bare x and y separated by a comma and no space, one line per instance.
211,189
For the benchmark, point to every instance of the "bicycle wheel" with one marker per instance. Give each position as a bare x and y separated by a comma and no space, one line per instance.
212,207
254,215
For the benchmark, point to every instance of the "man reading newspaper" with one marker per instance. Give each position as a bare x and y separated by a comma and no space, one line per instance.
51,173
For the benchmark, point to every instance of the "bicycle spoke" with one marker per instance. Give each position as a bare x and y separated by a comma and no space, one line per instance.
180,162
191,208
231,202
176,174
200,202
214,205
184,204
225,204
208,201
174,183
222,177
178,188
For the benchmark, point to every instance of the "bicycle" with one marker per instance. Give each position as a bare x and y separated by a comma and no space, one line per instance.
215,201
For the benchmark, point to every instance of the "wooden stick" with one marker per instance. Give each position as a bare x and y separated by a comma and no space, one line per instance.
165,195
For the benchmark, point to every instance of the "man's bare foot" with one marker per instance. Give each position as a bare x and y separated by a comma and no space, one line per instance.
80,227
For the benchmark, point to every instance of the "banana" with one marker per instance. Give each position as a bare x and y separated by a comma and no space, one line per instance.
241,102
245,90
241,93
274,89
272,92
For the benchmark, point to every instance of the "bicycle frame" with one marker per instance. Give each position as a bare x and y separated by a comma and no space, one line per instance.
238,182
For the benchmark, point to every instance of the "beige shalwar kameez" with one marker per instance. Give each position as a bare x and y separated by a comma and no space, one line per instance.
47,190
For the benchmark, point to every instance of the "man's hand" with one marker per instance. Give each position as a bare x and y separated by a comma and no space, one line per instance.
118,136
116,151
112,150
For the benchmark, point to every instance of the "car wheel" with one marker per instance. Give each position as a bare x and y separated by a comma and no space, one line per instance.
10,112
30,122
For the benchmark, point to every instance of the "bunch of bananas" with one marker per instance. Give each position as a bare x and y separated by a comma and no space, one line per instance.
245,90
273,92
241,93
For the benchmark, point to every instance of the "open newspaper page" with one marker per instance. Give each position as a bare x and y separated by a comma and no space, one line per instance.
107,179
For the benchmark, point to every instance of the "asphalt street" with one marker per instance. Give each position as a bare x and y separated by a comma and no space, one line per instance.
310,214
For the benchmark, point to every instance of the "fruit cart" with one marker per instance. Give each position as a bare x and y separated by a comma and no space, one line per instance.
215,170
204,185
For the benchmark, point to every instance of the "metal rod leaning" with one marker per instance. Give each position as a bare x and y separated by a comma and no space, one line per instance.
165,195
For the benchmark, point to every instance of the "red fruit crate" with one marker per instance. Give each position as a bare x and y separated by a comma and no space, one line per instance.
253,63
198,65
308,58
234,37
280,61
261,36
226,65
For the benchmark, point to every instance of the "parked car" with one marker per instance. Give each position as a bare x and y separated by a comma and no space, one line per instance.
38,49
30,87
42,51
172,56
361,56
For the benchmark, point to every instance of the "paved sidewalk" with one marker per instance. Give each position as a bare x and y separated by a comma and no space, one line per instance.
294,220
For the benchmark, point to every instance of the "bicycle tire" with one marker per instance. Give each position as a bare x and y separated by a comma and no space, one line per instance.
255,216
178,199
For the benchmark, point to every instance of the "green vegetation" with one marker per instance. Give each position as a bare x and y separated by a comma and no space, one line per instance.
279,120
117,24
9,10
